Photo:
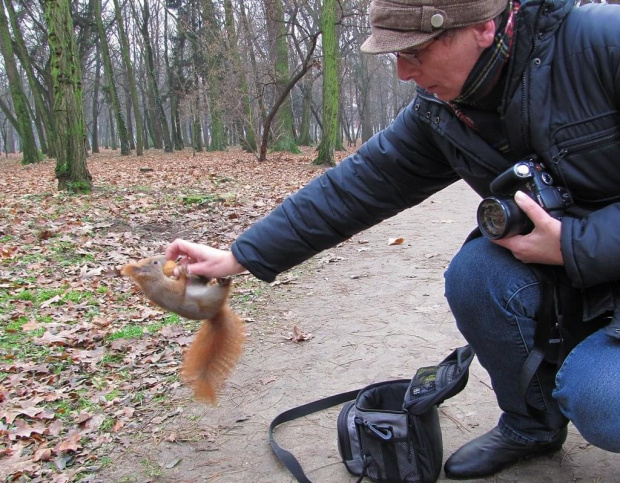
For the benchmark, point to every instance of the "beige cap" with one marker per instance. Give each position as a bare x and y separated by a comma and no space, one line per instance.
398,24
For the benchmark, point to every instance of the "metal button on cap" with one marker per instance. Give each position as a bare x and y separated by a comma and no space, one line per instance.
437,20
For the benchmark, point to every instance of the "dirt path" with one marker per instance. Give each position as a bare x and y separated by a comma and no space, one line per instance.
376,312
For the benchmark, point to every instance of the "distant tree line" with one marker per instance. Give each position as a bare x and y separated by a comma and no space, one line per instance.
77,75
200,74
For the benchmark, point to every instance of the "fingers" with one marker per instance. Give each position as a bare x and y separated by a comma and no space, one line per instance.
542,245
532,209
182,248
202,260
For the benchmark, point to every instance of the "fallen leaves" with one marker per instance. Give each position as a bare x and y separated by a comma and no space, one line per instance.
86,357
396,241
297,335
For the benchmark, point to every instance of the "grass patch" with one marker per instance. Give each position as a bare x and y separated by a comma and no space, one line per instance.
112,395
131,331
46,294
107,425
170,319
38,297
16,343
111,359
151,468
64,254
26,295
201,199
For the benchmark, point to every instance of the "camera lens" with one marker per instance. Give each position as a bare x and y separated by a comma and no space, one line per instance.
492,218
501,218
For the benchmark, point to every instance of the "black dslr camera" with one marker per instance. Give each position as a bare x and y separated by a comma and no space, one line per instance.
500,217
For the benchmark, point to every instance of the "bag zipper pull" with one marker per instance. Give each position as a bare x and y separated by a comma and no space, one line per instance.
558,157
382,432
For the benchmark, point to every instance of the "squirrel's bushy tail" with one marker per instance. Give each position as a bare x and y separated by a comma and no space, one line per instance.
213,354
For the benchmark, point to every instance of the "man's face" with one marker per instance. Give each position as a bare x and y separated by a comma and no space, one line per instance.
445,63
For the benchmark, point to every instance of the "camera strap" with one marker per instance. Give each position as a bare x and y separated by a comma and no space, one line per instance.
559,328
547,344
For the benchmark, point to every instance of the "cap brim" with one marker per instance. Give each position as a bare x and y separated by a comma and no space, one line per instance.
383,41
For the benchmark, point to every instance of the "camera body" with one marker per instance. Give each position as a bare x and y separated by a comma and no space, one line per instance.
500,217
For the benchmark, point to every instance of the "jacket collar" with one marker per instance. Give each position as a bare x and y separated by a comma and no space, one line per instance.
537,20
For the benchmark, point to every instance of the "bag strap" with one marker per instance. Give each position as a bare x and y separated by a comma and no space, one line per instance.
286,457
460,358
547,345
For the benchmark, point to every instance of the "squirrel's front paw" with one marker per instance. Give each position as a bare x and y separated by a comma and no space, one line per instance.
224,281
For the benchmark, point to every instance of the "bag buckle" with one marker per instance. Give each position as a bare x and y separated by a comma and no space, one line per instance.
384,433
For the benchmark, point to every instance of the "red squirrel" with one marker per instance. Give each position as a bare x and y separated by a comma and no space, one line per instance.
219,342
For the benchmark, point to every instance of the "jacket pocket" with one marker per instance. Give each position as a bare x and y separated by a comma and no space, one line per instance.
587,158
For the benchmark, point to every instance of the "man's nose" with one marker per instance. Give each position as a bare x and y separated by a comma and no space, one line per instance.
405,70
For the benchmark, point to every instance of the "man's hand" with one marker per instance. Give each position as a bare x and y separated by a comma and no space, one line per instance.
542,244
203,260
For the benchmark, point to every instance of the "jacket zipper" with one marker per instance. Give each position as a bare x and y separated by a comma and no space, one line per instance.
525,129
582,145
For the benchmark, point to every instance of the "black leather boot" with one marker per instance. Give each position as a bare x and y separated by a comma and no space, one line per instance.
491,452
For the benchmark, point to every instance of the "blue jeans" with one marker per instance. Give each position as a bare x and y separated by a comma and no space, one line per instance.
494,298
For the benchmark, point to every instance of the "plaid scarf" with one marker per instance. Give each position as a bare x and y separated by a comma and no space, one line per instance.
483,89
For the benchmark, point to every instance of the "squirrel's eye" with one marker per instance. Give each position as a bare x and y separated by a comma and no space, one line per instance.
155,262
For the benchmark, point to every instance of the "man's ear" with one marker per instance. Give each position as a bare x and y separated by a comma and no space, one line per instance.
485,33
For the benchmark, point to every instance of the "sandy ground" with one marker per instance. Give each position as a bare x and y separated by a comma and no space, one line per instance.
375,312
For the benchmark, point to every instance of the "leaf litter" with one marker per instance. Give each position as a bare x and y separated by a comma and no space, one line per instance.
85,362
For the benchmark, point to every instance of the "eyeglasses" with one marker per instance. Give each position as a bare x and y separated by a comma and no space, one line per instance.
411,56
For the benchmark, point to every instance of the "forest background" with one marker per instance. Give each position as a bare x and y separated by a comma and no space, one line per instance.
198,74
175,118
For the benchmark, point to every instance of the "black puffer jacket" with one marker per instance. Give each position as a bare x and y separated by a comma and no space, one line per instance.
561,102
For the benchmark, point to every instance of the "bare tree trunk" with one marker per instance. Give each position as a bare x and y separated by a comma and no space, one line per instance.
71,170
213,70
111,82
94,143
20,102
247,134
306,112
330,85
175,89
284,135
262,111
364,109
131,79
47,141
160,116
307,64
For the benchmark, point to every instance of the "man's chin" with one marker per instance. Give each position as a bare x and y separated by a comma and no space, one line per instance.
440,93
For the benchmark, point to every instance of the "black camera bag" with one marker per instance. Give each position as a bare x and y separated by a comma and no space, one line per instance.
391,431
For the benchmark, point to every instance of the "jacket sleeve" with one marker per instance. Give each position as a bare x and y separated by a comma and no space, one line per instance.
396,169
591,247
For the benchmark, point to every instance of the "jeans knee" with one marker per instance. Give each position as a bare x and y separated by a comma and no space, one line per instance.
457,280
589,419
586,394
460,292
